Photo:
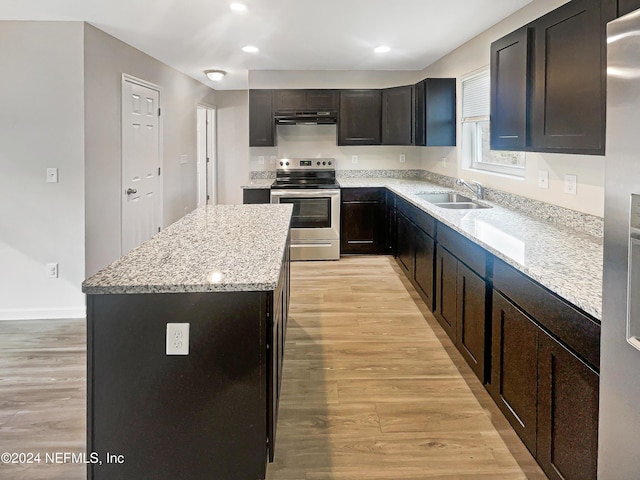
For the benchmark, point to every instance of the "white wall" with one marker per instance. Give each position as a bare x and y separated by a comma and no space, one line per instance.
589,169
106,59
233,144
41,125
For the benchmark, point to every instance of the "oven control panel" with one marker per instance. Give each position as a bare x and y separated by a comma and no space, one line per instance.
306,164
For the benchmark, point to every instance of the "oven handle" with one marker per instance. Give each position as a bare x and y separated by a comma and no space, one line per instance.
308,193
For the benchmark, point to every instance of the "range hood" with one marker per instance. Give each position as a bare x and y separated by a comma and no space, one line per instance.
307,117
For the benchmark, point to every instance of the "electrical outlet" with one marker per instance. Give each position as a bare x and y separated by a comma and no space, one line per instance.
272,159
444,162
543,179
261,159
52,175
570,184
52,270
403,158
177,339
354,158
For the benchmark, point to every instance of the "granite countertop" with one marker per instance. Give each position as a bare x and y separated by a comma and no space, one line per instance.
566,261
213,249
258,183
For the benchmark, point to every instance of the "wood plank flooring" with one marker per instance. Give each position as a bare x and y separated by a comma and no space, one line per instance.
372,388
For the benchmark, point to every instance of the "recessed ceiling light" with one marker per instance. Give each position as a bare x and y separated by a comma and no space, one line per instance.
250,49
381,49
215,75
238,7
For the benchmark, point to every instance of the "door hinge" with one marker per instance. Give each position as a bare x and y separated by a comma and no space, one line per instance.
208,197
158,170
208,159
159,111
158,229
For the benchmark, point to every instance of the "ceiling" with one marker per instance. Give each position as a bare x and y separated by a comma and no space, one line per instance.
194,35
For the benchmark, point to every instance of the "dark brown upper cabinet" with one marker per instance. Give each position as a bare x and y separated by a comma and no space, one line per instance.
261,123
435,112
305,100
359,118
568,96
509,73
397,115
558,61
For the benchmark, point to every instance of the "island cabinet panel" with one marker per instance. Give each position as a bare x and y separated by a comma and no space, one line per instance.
256,195
262,127
178,416
514,367
363,220
397,115
567,413
359,119
509,70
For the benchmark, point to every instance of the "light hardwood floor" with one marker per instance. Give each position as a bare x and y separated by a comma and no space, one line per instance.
372,389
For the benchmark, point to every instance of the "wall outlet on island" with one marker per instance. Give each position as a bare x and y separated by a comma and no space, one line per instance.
354,158
177,339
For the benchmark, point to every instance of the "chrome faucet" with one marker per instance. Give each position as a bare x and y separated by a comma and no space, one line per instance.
478,191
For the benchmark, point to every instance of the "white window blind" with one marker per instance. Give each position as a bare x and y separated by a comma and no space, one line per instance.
475,97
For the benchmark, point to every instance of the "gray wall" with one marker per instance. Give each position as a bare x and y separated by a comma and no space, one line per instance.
105,60
41,125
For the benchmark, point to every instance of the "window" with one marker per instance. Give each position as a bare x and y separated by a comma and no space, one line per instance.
476,149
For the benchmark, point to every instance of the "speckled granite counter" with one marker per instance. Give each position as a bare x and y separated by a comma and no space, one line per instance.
567,262
258,183
213,249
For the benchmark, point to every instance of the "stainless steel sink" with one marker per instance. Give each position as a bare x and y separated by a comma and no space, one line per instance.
444,197
451,200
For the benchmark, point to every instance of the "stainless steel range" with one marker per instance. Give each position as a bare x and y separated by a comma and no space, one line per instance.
310,185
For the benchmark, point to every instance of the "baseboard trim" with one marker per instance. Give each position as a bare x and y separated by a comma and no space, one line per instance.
42,313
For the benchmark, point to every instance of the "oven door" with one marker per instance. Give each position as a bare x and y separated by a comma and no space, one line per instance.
315,224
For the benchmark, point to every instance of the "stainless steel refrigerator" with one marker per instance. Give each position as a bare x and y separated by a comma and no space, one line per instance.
619,429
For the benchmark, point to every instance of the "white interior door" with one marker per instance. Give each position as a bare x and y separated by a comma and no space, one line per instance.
140,164
212,164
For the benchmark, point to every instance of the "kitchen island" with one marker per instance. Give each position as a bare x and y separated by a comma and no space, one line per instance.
185,336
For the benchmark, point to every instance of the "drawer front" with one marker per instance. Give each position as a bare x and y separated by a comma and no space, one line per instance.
423,220
363,195
575,329
474,256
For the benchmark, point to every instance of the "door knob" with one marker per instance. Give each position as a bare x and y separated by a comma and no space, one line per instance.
131,190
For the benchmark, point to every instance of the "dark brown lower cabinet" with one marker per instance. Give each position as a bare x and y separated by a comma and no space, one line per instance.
460,308
514,366
363,225
567,446
256,195
405,245
548,394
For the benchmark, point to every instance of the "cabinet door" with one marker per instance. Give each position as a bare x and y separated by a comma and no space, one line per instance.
256,195
405,245
391,222
440,114
627,6
289,100
569,80
447,291
397,115
419,117
424,266
567,413
261,123
471,319
509,63
360,117
322,100
514,368
363,227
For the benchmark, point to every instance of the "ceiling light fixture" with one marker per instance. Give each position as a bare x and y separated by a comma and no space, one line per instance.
381,49
238,7
250,49
215,75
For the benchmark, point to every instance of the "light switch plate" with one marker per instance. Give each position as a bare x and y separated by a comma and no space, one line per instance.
543,179
570,184
52,175
177,339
